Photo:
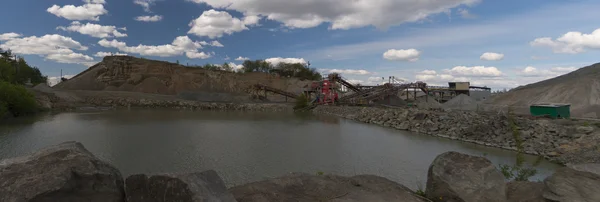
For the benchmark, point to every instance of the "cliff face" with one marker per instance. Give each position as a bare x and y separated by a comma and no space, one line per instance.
126,73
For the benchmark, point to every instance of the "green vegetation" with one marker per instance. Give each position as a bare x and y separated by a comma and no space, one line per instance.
301,102
420,190
15,70
16,100
320,173
14,73
295,70
519,171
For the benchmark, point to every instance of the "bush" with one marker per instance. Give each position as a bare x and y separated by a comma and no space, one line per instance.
301,102
16,99
519,171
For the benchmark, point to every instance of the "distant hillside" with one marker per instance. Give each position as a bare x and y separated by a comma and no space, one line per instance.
126,73
580,88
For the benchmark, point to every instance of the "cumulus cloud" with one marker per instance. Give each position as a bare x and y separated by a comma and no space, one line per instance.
277,60
147,18
530,71
92,10
464,13
402,55
104,54
240,58
179,46
342,14
480,71
216,44
72,58
491,56
215,24
571,42
54,47
145,4
8,36
428,72
94,30
346,71
55,79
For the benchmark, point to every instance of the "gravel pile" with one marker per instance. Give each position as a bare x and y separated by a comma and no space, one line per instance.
461,102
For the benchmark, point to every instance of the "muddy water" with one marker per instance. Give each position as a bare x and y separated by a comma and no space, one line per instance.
242,146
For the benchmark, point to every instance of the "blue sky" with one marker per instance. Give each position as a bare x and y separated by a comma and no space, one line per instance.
501,44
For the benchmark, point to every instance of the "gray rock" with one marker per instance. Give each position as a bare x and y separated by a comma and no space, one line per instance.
525,191
305,188
459,177
574,183
204,186
584,129
65,172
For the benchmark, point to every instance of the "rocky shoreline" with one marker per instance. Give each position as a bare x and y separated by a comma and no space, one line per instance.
560,143
69,172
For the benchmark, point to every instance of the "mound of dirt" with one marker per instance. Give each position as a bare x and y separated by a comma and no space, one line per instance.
580,88
461,102
152,85
42,87
392,100
126,73
427,102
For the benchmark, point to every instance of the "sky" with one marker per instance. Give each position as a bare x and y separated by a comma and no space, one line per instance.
499,44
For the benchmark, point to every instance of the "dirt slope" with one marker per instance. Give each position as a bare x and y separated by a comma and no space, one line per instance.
126,73
580,88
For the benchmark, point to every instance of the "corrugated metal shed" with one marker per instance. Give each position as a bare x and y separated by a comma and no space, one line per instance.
554,110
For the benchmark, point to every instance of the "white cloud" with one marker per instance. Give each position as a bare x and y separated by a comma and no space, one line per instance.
179,46
571,42
251,20
277,60
8,36
227,57
55,79
92,11
198,55
342,14
240,58
402,55
145,4
346,71
479,71
216,44
563,69
236,67
72,58
428,72
53,47
546,73
492,56
464,13
215,24
104,54
94,30
147,18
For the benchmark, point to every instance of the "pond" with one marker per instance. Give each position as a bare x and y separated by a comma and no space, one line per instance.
243,146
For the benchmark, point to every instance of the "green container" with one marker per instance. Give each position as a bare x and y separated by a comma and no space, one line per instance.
552,110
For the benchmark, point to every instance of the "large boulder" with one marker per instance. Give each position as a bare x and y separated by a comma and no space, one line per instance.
574,183
525,191
305,187
459,177
65,172
204,186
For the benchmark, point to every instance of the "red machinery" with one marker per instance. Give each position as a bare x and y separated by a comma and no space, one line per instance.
325,92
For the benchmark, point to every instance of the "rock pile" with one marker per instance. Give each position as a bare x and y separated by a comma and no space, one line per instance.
539,137
68,172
